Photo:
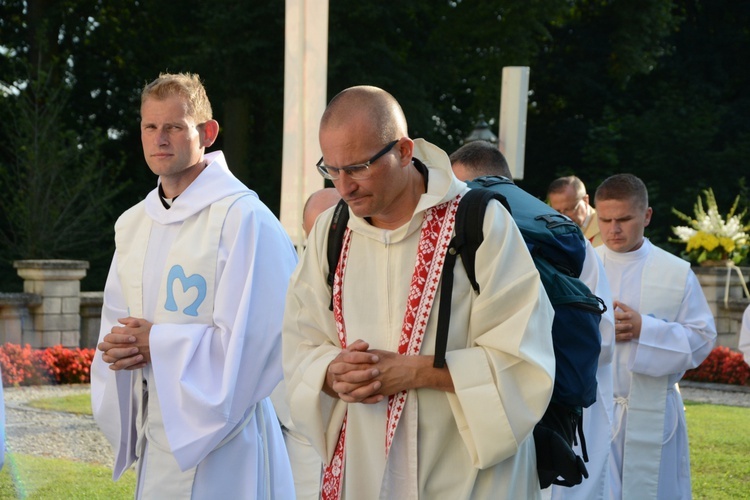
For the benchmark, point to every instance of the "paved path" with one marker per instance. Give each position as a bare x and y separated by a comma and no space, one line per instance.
76,437
50,433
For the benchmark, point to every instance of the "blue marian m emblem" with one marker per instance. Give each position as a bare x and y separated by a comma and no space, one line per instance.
196,280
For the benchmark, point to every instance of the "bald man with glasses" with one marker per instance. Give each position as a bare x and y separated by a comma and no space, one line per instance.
568,196
361,382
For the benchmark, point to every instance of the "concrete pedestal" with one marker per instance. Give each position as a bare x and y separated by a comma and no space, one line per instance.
57,319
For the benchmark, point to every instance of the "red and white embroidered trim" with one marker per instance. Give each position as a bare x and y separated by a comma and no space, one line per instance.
436,232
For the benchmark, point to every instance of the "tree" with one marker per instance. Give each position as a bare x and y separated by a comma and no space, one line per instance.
57,187
679,125
654,87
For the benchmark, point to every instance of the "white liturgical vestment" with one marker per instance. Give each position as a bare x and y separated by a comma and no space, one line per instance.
474,443
211,273
650,447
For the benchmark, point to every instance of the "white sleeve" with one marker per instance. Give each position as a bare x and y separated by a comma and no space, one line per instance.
503,378
112,398
595,278
671,347
208,377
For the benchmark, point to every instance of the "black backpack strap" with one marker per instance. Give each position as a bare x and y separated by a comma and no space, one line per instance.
469,222
444,308
468,229
335,241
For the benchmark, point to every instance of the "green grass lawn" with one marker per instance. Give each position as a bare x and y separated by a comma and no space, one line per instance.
37,478
30,477
719,450
77,403
719,458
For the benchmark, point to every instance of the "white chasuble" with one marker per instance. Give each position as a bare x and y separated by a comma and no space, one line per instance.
434,240
210,273
664,280
649,448
472,443
186,296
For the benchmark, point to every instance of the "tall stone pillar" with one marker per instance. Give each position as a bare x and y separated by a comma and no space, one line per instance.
57,320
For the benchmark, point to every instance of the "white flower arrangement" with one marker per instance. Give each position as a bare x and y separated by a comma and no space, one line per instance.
711,237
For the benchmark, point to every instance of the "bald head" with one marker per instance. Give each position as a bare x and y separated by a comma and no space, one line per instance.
317,203
382,112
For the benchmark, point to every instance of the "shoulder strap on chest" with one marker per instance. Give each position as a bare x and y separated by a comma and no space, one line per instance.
469,220
335,241
469,236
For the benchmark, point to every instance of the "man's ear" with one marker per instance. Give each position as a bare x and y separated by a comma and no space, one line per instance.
647,218
210,131
406,150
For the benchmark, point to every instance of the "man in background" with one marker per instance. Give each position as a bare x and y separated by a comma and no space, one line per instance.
318,202
480,159
744,344
568,196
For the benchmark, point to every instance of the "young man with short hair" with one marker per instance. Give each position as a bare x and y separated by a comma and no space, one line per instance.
663,326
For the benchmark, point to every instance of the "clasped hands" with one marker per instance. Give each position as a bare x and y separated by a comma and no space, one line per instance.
361,375
126,347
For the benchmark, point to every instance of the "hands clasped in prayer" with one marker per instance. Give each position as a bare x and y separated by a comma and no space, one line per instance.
363,375
126,347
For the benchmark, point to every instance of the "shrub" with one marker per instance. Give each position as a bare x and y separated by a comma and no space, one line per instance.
723,366
69,366
53,365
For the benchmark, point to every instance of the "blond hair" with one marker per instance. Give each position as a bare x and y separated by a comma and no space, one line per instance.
185,85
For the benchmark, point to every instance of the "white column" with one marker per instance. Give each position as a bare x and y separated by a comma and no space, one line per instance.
513,102
305,80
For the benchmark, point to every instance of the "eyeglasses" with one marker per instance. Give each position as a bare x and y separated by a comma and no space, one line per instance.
356,172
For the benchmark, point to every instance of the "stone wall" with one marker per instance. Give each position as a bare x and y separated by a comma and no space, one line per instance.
91,315
726,297
16,325
48,313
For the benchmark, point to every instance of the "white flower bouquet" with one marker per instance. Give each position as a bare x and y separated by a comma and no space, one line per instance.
711,237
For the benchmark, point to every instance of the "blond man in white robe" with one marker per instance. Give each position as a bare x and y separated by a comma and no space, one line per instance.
190,335
460,431
663,327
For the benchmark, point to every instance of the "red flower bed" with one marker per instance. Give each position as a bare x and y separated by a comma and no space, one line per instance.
53,365
722,366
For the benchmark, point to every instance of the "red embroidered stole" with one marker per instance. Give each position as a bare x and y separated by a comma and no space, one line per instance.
436,232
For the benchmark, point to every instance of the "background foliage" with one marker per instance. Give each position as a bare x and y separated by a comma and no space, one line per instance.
722,366
22,365
651,87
